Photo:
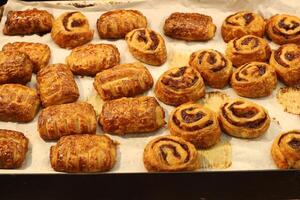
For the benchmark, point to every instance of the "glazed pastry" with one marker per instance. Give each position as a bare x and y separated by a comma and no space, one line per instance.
131,115
244,119
247,49
147,46
15,67
28,22
38,53
215,69
179,85
253,80
83,153
71,29
190,26
195,123
169,154
67,119
125,80
286,61
18,103
56,85
13,149
116,24
243,23
286,150
283,29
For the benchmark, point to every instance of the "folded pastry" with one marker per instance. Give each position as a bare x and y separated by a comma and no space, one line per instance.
13,149
125,80
56,85
28,22
190,26
179,85
71,29
83,153
147,46
116,24
131,115
169,154
215,69
18,103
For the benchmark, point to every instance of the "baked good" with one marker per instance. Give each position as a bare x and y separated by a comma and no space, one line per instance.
283,29
289,98
131,115
56,85
28,22
71,29
215,69
147,46
179,85
13,149
67,119
116,24
247,49
18,103
243,23
39,54
195,123
15,67
169,154
83,153
190,26
254,79
244,119
125,80
286,150
286,61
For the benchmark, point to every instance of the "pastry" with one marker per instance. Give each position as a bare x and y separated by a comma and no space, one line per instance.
13,149
71,29
28,22
195,123
83,153
131,115
67,119
169,154
286,61
283,29
289,98
254,79
243,23
147,46
247,49
125,80
190,26
18,103
215,69
286,150
116,24
56,85
89,59
38,53
244,119
179,85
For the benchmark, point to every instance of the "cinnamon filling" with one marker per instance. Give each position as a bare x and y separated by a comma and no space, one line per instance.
288,27
179,73
295,144
66,20
261,69
183,83
211,59
154,39
247,40
142,36
189,118
248,18
77,23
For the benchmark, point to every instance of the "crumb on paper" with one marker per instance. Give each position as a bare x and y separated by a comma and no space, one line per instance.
82,4
276,121
289,98
214,100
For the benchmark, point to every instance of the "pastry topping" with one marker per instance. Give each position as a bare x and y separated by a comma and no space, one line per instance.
295,143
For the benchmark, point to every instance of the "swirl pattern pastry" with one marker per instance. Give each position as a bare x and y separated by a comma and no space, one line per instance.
244,119
180,85
255,79
169,154
215,69
196,124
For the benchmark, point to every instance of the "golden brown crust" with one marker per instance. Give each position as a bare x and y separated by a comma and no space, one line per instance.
125,80
116,24
18,103
131,115
83,153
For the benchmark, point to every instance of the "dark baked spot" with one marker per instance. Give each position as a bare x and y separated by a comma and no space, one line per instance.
261,69
294,143
248,17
